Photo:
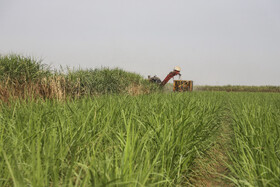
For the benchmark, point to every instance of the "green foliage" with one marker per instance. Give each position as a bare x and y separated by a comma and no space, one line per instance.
19,69
232,88
255,149
104,80
148,140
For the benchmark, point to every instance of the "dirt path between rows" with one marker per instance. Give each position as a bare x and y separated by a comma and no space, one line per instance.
210,169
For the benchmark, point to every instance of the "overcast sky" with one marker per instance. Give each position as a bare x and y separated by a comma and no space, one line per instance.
215,42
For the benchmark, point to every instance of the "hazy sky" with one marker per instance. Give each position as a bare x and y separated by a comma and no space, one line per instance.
215,42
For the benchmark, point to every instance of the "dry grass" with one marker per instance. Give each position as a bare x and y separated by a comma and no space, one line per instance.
47,88
135,89
60,88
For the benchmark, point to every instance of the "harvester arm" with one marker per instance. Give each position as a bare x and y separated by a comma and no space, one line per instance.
169,76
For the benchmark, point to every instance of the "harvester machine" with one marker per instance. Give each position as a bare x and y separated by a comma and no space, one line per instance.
178,85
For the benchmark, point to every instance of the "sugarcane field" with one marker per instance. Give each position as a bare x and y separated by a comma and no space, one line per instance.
62,129
126,93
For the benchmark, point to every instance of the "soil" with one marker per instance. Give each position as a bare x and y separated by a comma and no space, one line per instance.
211,170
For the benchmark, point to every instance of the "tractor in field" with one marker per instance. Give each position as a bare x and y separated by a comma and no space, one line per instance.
178,85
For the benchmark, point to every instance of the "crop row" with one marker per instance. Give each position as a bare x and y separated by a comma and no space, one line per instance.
239,88
255,150
109,140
